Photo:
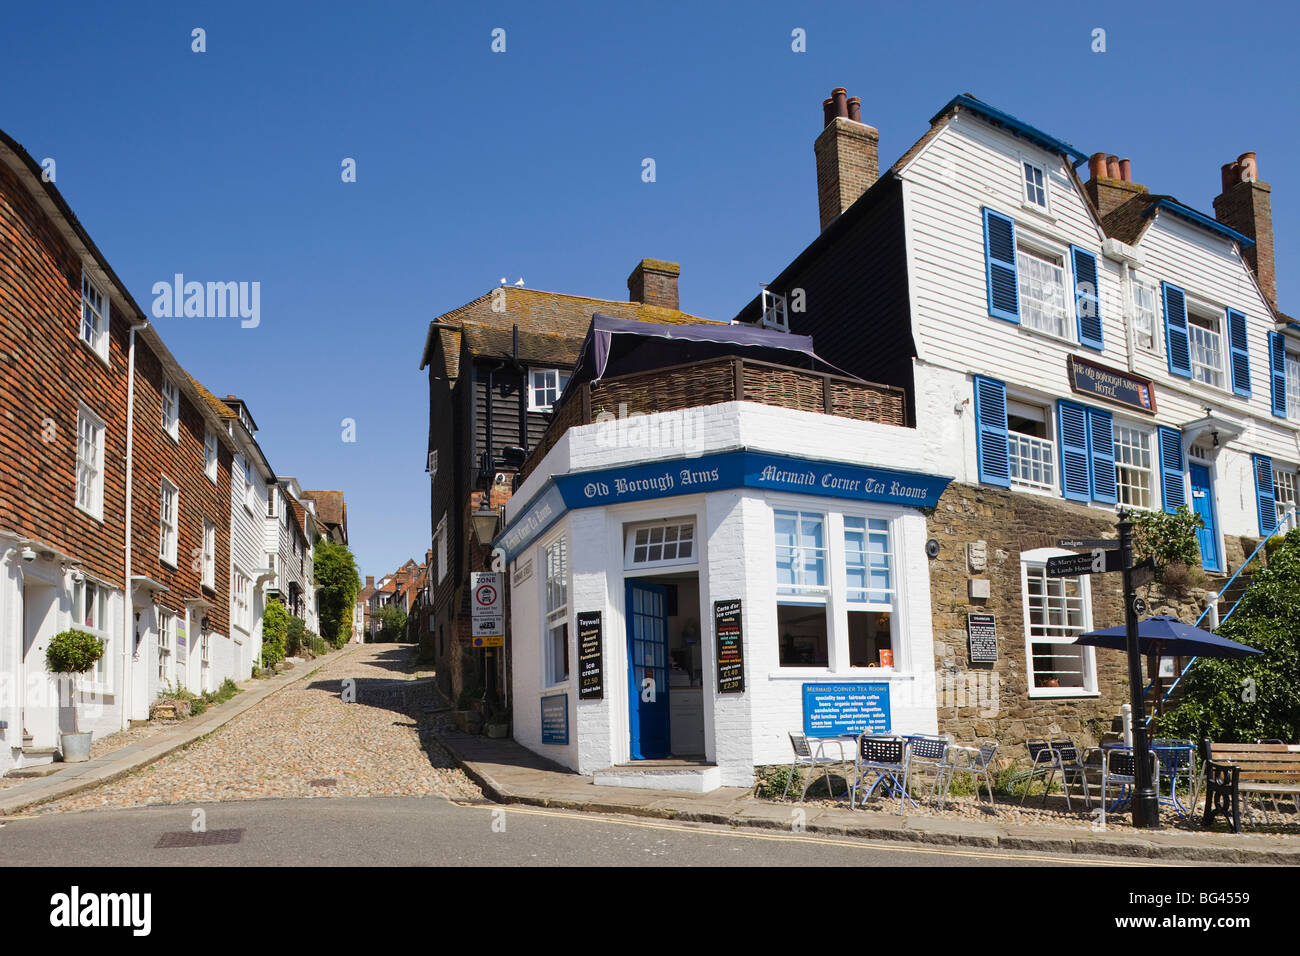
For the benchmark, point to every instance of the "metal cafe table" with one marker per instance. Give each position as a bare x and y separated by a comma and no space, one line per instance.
891,776
1173,756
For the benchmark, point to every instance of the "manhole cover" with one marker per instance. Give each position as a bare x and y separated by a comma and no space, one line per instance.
323,782
189,838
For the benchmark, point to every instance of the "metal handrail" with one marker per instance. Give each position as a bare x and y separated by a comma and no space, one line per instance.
1289,517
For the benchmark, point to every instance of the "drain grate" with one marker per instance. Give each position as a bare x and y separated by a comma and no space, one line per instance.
323,782
208,838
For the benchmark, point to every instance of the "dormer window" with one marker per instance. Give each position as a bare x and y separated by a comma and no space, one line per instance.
545,386
1035,177
774,312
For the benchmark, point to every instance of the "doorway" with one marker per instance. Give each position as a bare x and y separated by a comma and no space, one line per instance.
40,691
1203,504
665,677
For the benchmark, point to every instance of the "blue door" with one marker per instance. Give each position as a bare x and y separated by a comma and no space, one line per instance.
1203,505
647,654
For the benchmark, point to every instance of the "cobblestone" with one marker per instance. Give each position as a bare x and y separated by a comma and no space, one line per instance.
379,745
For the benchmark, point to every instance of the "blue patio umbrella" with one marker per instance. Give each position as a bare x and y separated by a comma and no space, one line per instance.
1165,635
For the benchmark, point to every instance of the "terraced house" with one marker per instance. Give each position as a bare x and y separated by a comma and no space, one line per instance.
1071,347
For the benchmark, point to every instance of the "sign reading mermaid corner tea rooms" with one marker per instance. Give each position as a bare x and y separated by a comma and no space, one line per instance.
1087,378
833,709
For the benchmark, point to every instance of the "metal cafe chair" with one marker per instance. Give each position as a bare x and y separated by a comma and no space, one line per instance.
883,760
928,753
1119,765
1053,756
976,762
813,760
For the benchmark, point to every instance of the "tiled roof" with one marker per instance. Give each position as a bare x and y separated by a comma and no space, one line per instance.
1127,221
330,507
217,405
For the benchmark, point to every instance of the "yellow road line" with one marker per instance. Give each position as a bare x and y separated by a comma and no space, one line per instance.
900,846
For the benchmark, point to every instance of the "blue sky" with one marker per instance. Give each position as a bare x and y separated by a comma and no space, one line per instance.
473,165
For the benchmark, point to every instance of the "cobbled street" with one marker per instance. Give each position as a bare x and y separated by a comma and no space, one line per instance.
305,741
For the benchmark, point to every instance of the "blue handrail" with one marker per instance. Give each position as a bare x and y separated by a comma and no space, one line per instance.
1287,518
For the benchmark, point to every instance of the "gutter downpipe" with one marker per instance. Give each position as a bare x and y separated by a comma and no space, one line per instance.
128,613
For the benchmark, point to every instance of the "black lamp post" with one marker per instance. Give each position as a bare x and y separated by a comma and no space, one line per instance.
485,522
1146,803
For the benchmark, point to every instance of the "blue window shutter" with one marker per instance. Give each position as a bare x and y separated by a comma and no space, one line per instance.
1265,496
1101,455
1087,300
991,432
1240,353
1277,366
1072,426
1180,355
1000,264
1172,490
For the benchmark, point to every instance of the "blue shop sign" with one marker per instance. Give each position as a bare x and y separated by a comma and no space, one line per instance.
830,710
555,719
737,469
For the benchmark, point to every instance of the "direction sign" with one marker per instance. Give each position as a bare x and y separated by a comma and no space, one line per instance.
485,604
1096,561
1087,543
1143,573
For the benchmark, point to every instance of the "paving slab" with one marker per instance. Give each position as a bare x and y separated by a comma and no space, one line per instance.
510,773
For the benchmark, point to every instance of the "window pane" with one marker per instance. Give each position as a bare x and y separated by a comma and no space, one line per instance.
801,630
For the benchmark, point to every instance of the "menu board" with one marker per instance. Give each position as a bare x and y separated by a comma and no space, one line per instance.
731,660
555,719
591,665
982,633
830,710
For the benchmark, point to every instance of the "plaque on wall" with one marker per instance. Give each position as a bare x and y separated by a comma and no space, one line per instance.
731,662
591,664
982,635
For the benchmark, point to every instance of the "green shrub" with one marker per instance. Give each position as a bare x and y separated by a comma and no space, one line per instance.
275,629
1169,538
318,645
73,652
772,781
294,637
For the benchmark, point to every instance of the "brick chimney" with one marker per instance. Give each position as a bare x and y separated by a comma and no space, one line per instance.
848,155
1246,205
1110,183
370,580
654,282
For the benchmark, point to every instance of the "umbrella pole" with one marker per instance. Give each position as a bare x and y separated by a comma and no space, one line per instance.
1146,806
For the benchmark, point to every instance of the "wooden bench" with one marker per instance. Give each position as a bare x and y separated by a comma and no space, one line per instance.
1234,769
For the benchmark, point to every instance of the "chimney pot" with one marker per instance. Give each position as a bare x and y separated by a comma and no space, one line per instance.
1228,176
828,111
1248,167
1097,166
855,109
1112,167
840,96
1125,170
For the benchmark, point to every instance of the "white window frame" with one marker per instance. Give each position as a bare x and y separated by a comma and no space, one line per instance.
682,531
250,490
1138,289
93,327
554,379
1026,197
1206,314
1050,464
440,548
211,450
171,408
99,677
802,592
1036,561
209,554
241,600
1285,478
165,645
865,603
1150,469
1027,244
555,595
431,465
1291,366
272,502
94,481
168,532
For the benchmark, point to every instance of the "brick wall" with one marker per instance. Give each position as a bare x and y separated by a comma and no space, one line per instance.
157,454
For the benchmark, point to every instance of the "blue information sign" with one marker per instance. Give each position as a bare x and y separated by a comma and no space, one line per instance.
555,719
833,709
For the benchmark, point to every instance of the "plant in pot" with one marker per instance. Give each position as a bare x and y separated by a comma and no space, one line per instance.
70,653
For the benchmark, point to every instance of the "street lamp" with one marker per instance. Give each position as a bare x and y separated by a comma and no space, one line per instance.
485,522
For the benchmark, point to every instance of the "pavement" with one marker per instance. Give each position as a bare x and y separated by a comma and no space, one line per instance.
511,774
73,778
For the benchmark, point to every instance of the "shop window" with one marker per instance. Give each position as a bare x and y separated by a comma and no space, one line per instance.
557,613
801,630
649,546
801,553
871,639
1057,611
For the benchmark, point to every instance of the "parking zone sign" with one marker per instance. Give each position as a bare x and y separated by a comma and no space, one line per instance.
487,622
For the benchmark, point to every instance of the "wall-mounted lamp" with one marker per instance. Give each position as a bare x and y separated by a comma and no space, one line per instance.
485,522
1215,436
203,626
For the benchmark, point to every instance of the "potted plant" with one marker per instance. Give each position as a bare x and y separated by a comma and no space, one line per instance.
70,653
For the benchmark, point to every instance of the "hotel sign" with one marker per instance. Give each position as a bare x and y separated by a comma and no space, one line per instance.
1110,384
737,469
